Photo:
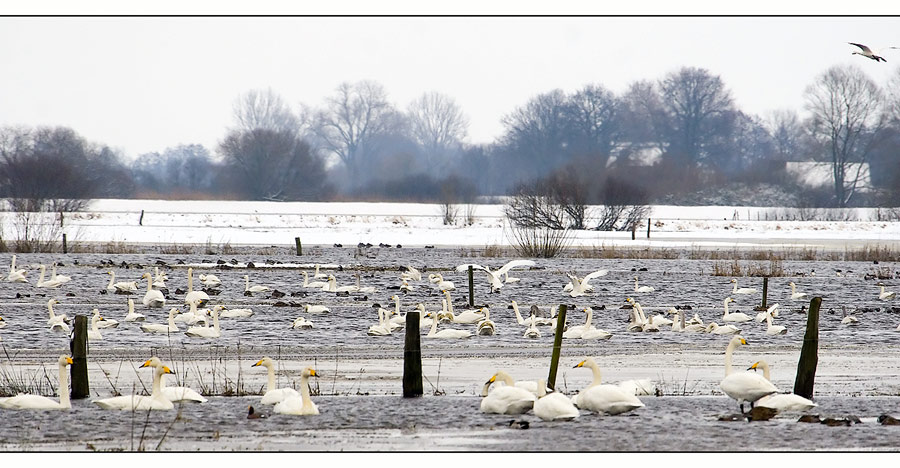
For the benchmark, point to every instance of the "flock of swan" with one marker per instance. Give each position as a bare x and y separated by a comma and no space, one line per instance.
501,394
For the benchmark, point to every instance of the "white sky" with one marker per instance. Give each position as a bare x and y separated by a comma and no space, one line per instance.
142,84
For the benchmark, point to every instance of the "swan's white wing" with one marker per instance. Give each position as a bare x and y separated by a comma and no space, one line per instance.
514,264
595,274
465,267
864,48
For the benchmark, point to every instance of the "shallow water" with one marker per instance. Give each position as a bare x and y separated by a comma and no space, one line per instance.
858,373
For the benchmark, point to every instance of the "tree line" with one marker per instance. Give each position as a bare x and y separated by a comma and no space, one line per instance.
662,140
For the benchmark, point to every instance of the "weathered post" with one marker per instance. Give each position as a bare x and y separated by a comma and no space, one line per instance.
648,228
557,344
80,387
765,292
65,247
412,358
299,246
141,219
809,354
633,228
471,287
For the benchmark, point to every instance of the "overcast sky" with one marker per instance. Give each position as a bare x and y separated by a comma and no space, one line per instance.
144,84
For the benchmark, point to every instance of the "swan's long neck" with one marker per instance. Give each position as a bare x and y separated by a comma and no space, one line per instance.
112,279
149,283
635,284
270,384
769,319
587,323
734,288
44,269
190,280
305,279
12,267
765,368
50,309
130,307
397,305
172,320
640,311
434,321
53,272
156,391
518,314
94,320
726,306
506,378
542,388
728,351
304,389
449,303
215,315
595,370
63,390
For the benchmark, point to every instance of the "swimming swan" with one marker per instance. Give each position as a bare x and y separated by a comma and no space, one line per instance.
494,276
16,276
28,401
715,329
485,327
642,289
794,294
604,398
743,386
156,400
160,328
207,332
153,298
255,288
530,320
55,319
848,319
299,405
532,331
774,329
466,316
592,333
192,295
553,407
61,279
131,316
94,333
301,323
210,281
886,295
235,313
735,317
273,395
47,284
581,286
761,317
736,290
121,287
105,322
175,394
384,325
783,402
448,333
159,280
314,284
508,399
442,284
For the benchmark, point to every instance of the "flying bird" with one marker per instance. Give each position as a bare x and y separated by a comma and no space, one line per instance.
867,52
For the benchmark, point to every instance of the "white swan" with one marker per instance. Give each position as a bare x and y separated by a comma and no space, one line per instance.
637,386
2,323
485,327
508,399
316,309
574,332
131,316
442,284
553,407
592,333
642,289
16,276
715,329
411,274
425,318
105,322
604,398
448,333
531,319
363,289
761,317
192,295
466,316
153,298
885,295
273,395
848,319
735,317
679,325
319,275
235,313
396,318
175,394
736,290
743,386
61,279
865,51
56,319
299,405
333,287
494,276
301,323
313,284
159,280
794,294
207,332
384,325
783,402
192,316
156,400
210,281
583,283
27,401
161,328
47,284
774,329
121,287
404,286
532,331
255,288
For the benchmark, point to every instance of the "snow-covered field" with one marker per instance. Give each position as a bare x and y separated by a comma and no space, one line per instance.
411,224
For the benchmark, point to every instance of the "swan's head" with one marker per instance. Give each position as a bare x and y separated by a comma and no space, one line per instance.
580,364
733,280
629,300
738,340
672,310
420,307
588,309
147,275
728,299
152,362
165,370
711,327
266,361
65,360
395,297
309,372
108,272
52,301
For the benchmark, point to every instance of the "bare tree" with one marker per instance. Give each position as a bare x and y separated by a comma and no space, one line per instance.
786,130
847,119
537,135
438,124
352,121
594,119
264,109
695,102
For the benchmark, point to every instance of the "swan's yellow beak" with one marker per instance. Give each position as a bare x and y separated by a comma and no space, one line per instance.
146,363
312,373
743,341
69,361
580,364
492,379
755,364
166,370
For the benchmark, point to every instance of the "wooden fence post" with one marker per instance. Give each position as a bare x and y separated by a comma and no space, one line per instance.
412,357
80,386
471,287
557,345
765,292
65,247
809,354
141,219
648,228
298,245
